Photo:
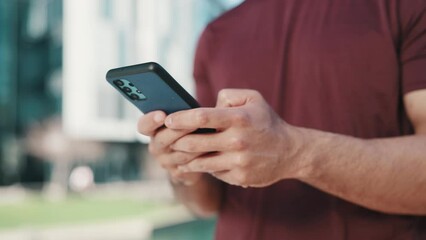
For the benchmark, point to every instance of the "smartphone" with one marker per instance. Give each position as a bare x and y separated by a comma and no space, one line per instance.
150,87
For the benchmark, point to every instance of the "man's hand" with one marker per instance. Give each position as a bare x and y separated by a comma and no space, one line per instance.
151,125
252,145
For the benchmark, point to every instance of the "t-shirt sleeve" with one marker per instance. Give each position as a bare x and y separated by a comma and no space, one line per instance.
204,91
413,44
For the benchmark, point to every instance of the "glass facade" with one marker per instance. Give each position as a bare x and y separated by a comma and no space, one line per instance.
30,62
53,58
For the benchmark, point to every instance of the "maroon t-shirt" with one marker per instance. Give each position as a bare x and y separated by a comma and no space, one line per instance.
340,66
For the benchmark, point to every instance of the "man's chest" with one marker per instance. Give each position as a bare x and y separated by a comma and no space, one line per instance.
350,45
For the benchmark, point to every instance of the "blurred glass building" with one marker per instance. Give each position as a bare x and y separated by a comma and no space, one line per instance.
55,105
62,127
61,124
107,34
30,65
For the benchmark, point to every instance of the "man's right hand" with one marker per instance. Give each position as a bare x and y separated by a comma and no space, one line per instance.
152,125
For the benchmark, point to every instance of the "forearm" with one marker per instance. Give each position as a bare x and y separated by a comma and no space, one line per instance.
203,198
387,175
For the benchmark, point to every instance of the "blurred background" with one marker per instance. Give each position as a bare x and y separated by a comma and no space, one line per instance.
72,165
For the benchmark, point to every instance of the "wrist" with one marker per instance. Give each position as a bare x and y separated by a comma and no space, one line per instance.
315,156
302,153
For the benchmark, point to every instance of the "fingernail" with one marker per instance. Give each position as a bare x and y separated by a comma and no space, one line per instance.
169,121
158,117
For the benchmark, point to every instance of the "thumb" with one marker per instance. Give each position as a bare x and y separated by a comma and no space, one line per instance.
236,97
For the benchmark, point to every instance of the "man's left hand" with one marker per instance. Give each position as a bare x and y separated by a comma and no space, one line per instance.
252,145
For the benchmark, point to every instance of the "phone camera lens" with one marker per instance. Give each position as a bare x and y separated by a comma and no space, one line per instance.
134,97
126,89
119,83
131,85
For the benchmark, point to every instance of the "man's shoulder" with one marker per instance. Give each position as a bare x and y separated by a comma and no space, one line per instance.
236,15
227,16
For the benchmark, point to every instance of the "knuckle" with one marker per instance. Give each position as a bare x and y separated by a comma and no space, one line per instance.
241,118
189,147
201,117
223,93
181,158
162,140
238,143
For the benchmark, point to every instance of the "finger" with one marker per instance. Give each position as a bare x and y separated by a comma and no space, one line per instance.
214,142
216,118
164,138
150,122
174,159
236,97
210,163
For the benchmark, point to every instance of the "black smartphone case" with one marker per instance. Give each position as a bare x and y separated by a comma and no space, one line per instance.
150,87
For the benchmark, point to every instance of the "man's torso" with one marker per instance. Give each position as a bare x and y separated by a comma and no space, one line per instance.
328,65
